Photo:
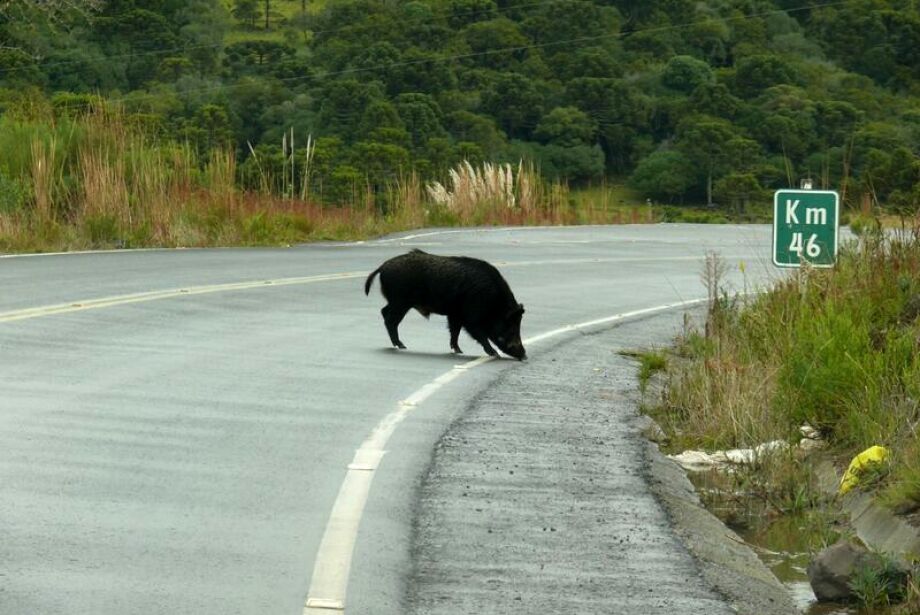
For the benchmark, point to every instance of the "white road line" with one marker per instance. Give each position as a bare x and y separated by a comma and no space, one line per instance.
116,300
332,565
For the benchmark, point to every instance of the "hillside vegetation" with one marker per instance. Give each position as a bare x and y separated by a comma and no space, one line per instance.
362,102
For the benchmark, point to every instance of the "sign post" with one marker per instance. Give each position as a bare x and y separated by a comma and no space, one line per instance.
805,227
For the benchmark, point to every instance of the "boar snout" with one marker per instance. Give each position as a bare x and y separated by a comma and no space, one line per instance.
514,348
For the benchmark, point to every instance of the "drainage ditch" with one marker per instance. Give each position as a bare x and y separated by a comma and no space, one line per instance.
784,543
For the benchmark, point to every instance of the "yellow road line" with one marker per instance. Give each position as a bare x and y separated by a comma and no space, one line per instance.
104,302
117,300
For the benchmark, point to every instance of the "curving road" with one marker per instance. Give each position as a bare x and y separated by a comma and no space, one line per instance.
176,426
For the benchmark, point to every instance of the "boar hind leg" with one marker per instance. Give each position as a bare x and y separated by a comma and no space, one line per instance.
453,323
480,336
392,316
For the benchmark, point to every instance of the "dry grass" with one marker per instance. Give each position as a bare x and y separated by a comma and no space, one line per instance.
471,188
99,181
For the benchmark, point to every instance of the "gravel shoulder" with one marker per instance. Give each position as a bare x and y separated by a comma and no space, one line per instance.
545,498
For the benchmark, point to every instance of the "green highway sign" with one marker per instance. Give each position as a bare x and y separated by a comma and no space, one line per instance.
805,224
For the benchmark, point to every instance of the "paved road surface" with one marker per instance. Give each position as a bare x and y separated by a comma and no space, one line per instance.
175,426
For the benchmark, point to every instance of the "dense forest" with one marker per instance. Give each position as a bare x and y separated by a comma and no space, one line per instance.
714,102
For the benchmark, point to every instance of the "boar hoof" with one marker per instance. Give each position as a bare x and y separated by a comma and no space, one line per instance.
400,345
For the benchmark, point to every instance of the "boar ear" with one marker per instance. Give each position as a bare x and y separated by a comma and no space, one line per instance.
516,312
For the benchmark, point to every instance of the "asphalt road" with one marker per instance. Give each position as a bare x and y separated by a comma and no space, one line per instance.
176,426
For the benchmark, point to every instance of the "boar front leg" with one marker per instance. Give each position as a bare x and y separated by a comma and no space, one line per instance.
480,336
392,316
454,324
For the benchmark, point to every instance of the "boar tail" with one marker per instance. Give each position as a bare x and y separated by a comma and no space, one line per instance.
370,280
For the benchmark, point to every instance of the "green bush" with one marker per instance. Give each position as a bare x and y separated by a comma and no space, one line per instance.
102,230
13,194
880,582
829,369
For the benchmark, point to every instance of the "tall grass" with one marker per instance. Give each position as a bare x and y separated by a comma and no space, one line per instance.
96,179
508,194
474,192
837,349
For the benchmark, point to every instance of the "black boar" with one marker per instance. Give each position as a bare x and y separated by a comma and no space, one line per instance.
470,292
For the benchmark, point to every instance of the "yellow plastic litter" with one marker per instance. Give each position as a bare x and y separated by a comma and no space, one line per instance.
873,454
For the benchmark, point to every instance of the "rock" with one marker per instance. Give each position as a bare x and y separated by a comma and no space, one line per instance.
809,432
831,570
808,444
655,433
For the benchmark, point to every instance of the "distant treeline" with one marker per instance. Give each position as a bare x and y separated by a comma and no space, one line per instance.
693,102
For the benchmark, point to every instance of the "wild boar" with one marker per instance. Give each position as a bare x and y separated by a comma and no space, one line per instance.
470,292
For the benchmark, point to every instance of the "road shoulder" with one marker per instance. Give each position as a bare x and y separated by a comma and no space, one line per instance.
544,497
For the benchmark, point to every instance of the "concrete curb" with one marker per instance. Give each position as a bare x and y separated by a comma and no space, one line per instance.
875,525
727,562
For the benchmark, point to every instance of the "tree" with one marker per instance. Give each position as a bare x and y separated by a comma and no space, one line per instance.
209,129
711,143
516,102
480,130
566,127
419,71
344,183
206,25
34,32
464,12
54,10
172,68
619,111
559,21
340,105
755,73
664,175
686,73
252,102
380,113
738,189
715,99
873,37
835,121
585,62
575,163
382,162
711,39
255,57
138,38
498,44
784,121
422,118
246,11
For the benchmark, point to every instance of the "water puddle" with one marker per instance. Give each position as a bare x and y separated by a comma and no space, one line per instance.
784,544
